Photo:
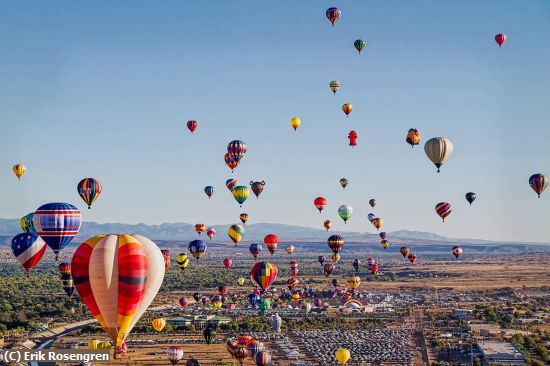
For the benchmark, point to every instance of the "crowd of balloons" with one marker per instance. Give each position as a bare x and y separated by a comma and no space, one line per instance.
140,265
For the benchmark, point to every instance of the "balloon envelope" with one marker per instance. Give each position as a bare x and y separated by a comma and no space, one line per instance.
263,274
28,248
89,190
57,223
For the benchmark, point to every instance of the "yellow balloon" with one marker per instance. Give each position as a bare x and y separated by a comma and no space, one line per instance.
354,282
217,304
104,345
342,355
385,244
327,224
159,324
19,170
335,258
93,344
240,193
378,222
236,233
241,281
295,123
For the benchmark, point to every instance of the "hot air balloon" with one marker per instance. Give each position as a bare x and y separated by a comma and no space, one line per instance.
240,193
471,197
255,250
334,86
347,108
457,251
197,296
374,269
342,355
371,217
356,265
328,268
158,324
209,190
231,163
166,256
271,241
27,224
254,347
321,259
352,136
335,258
354,282
378,222
295,123
89,189
263,358
257,187
413,138
411,257
199,228
236,149
263,274
192,125
197,248
231,346
192,362
19,170
289,249
230,184
264,305
253,299
241,353
438,150
236,233
345,212
122,349
183,261
209,335
327,224
500,39
117,277
57,223
372,202
538,183
28,248
292,283
243,217
333,14
210,232
320,203
276,322
443,209
343,182
404,251
335,243
227,262
359,45
294,271
370,262
183,302
382,235
174,354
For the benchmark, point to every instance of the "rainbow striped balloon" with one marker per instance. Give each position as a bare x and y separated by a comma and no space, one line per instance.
236,149
263,274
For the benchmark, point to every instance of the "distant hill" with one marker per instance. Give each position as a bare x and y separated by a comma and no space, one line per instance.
314,239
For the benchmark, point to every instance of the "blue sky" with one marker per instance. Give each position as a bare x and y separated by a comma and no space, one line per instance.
104,89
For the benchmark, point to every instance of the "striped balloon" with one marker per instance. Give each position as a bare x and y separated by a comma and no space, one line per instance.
240,193
26,223
230,184
335,243
443,209
57,223
174,354
117,277
236,233
28,248
263,274
236,149
89,189
538,183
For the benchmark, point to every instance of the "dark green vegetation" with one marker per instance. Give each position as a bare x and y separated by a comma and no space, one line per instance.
536,352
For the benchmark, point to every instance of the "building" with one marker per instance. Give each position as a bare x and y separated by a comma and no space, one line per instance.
497,353
462,314
198,321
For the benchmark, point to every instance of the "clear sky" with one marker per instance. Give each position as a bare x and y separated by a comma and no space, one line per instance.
104,89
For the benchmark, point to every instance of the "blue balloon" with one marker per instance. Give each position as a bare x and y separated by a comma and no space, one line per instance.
253,299
197,248
57,223
209,190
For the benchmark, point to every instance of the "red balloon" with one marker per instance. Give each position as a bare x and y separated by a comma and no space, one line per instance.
500,39
227,262
184,302
192,125
320,203
352,138
271,241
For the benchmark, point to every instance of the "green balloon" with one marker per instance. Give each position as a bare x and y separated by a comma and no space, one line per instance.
264,306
